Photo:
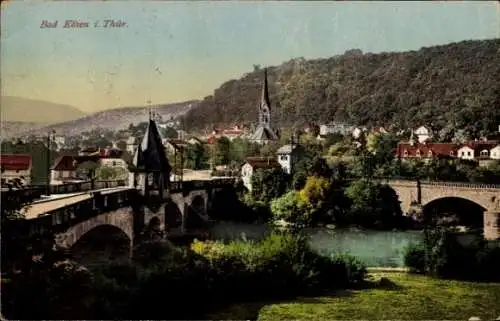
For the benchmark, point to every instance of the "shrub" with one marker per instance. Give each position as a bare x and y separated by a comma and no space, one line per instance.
414,257
441,255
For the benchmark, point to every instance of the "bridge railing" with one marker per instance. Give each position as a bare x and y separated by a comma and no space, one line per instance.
35,191
440,183
64,217
199,184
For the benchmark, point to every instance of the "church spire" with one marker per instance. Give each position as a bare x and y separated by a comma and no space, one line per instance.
264,101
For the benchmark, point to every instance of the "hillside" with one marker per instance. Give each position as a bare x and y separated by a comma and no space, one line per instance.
115,119
17,109
450,86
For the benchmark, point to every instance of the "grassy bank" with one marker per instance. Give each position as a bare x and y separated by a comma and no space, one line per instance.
407,297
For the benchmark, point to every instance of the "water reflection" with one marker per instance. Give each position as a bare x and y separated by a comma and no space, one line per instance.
374,248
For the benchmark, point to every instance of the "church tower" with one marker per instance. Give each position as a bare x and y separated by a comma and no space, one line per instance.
265,105
264,134
150,167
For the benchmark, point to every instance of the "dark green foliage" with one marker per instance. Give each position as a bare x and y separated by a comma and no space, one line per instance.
443,256
186,283
432,86
268,184
415,257
373,205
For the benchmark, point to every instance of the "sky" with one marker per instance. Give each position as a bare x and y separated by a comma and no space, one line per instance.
177,51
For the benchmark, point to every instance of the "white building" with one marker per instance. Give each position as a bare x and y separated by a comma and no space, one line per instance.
335,128
287,156
254,163
16,167
495,152
465,152
131,145
423,134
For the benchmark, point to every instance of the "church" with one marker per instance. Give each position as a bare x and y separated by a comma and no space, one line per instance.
263,133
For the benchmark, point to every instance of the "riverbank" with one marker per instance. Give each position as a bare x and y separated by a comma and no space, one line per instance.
404,297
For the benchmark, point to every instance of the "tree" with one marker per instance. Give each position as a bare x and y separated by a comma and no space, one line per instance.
197,156
169,132
222,151
122,145
315,195
268,184
111,173
373,205
290,208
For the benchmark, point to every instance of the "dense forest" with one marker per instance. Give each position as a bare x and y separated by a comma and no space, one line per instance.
450,86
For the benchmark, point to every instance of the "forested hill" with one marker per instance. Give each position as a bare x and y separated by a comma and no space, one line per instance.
454,85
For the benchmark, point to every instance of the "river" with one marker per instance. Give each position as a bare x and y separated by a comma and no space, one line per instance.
374,248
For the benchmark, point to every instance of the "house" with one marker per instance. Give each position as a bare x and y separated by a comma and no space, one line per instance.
131,145
357,132
174,145
15,167
335,128
60,141
426,152
423,134
495,152
64,170
194,140
233,132
478,151
254,163
287,156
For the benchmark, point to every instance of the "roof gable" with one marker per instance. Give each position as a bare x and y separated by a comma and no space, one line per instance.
14,162
150,155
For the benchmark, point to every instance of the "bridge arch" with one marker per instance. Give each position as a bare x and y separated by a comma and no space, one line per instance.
104,228
101,245
455,210
196,212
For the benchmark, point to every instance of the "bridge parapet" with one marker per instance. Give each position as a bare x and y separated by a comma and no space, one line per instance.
35,191
62,218
461,185
193,185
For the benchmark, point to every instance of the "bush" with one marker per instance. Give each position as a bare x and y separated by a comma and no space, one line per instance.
414,257
441,255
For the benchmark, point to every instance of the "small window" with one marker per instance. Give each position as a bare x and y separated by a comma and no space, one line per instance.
484,153
405,153
429,153
418,153
452,153
468,153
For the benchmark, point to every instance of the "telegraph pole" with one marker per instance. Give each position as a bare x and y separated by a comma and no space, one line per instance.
49,141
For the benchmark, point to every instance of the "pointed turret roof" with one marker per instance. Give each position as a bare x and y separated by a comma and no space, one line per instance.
150,155
264,100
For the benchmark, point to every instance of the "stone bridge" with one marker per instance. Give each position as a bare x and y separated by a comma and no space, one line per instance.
114,220
425,193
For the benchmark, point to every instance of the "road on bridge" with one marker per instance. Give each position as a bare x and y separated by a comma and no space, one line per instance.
54,202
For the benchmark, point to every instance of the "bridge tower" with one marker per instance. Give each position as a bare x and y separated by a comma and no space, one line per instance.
150,168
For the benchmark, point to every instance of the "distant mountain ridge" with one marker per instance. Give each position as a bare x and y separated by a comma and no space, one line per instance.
446,87
18,109
116,119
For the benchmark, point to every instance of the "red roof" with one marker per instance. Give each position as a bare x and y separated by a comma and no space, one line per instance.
70,162
263,162
428,150
233,132
15,162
